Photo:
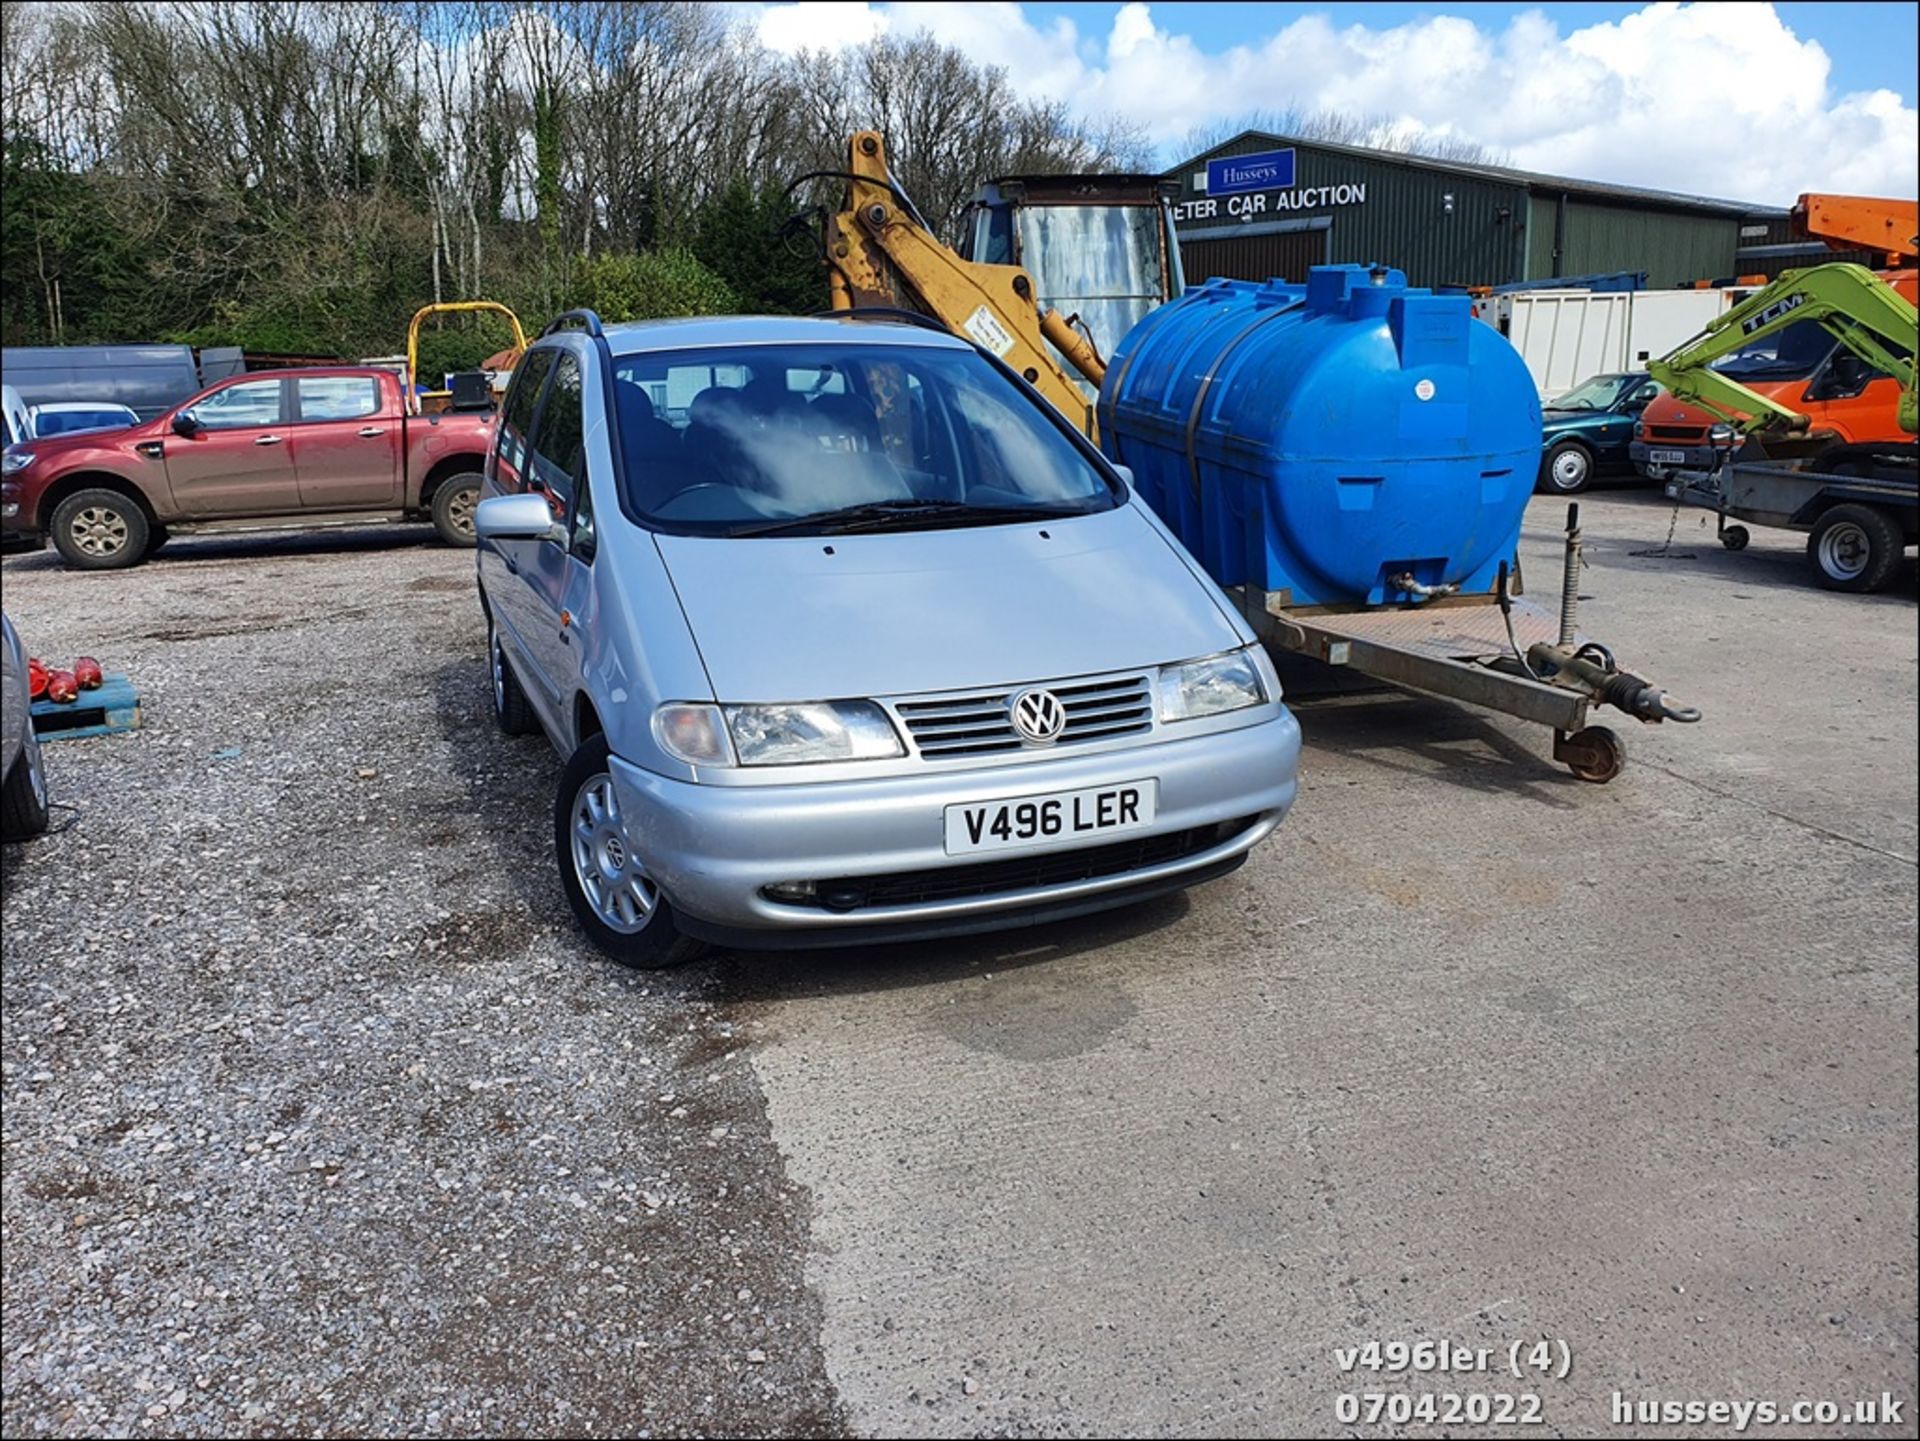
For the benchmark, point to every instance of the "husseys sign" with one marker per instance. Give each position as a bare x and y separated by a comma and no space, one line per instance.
1262,184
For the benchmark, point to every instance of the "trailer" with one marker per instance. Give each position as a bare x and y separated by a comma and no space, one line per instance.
1859,507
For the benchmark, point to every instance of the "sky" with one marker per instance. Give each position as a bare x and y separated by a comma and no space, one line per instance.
1748,101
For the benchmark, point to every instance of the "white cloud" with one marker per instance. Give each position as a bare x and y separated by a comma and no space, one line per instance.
1713,99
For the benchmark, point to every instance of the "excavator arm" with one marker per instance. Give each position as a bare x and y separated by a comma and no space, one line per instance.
881,253
1850,302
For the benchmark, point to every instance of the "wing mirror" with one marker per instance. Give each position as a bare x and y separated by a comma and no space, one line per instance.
516,517
185,424
1125,472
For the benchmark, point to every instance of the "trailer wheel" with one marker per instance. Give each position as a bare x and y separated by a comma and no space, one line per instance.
1735,537
1596,754
1855,548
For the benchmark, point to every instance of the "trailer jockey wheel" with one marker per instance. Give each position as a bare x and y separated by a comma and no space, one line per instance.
1735,537
1595,754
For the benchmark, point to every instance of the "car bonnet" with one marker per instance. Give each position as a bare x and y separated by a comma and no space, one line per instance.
910,612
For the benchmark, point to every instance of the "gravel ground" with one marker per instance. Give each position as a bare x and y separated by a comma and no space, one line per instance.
319,1116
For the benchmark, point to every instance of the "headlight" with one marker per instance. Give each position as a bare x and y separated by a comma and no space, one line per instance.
15,461
695,734
1721,435
784,735
1639,430
1207,687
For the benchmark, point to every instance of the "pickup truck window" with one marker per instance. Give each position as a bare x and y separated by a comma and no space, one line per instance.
561,437
252,402
337,397
517,419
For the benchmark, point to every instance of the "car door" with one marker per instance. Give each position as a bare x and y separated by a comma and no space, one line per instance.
506,565
1852,398
346,453
236,462
552,570
1614,434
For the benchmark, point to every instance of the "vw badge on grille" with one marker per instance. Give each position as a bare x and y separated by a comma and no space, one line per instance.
1039,716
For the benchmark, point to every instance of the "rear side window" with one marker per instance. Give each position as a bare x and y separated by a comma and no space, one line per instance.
252,402
338,397
517,419
560,442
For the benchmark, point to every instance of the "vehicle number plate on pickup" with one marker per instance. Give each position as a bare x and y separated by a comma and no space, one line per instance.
1049,818
1667,457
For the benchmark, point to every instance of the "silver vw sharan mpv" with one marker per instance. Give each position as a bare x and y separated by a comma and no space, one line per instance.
848,636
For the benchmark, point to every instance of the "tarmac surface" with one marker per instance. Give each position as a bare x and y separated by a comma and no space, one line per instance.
1472,1052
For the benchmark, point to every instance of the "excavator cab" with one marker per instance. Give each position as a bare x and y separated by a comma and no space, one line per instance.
1100,248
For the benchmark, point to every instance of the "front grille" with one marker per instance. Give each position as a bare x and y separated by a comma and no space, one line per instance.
1021,873
1677,432
981,723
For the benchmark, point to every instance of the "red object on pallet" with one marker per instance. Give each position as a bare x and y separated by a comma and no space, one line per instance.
87,673
36,678
62,687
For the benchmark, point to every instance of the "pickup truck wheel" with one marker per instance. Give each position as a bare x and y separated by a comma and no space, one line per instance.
1567,470
23,800
511,712
1855,548
100,530
618,904
453,503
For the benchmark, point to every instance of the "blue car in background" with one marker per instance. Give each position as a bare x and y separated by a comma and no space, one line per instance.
1587,431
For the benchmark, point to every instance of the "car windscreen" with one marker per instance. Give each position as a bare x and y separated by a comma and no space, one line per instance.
1787,354
1598,393
799,438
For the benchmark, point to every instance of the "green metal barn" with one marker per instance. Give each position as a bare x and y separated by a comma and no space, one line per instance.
1265,205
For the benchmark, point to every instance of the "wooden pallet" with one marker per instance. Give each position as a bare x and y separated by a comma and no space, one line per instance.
112,709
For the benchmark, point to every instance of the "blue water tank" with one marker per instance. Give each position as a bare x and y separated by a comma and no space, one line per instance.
1324,439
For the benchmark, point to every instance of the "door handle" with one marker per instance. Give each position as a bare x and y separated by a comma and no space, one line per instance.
266,440
513,566
369,431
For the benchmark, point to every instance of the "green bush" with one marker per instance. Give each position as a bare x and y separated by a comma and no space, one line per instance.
649,286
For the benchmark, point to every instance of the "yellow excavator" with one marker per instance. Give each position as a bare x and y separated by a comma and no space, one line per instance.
1103,244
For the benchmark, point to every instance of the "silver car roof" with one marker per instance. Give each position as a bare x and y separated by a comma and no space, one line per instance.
637,337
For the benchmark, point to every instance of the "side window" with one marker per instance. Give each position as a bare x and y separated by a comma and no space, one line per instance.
252,402
337,397
510,448
559,442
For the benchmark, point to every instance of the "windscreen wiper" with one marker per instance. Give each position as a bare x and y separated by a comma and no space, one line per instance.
884,514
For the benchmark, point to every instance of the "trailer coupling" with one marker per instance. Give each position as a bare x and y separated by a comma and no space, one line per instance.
1590,668
1586,666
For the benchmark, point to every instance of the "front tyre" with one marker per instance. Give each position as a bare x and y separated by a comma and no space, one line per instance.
453,503
1567,470
617,903
100,530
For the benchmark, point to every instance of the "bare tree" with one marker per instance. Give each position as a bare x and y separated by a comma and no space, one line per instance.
1335,127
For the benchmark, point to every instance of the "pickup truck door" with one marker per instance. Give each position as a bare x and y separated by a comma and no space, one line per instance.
237,462
345,436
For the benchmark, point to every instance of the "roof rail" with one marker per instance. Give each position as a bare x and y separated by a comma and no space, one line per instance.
884,312
581,319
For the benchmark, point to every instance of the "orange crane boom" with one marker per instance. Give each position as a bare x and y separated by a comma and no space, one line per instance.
1861,222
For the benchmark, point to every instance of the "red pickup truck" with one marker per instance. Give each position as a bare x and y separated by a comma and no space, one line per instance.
270,449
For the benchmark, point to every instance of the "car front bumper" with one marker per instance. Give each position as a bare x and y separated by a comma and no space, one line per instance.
715,848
